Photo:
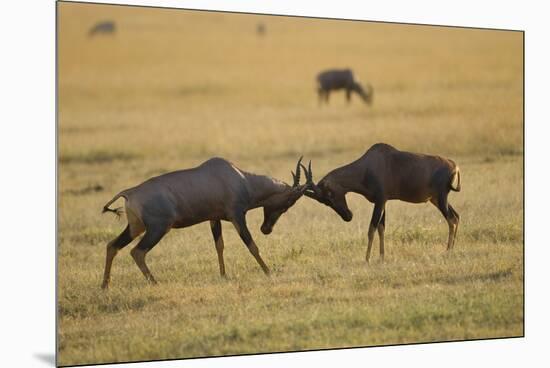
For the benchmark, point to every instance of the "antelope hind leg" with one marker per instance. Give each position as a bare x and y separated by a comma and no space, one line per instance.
149,240
113,247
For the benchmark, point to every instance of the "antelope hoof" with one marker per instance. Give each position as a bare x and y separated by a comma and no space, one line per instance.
105,285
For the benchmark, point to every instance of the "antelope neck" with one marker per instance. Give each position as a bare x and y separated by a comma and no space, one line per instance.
262,187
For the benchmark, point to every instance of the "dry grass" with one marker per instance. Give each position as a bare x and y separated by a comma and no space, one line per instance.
173,88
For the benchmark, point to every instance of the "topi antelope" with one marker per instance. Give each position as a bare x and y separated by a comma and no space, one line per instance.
214,191
335,79
384,173
261,29
104,27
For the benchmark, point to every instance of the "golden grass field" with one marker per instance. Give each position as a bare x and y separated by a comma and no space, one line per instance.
173,88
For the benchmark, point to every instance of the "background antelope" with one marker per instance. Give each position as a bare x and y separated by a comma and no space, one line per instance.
214,191
384,173
103,27
336,79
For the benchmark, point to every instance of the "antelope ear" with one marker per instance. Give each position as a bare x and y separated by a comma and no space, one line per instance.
302,189
316,197
309,194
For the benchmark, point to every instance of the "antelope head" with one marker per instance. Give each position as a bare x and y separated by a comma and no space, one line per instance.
330,194
280,203
366,92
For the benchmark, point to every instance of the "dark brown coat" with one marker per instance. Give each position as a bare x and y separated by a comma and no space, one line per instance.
384,173
214,191
338,79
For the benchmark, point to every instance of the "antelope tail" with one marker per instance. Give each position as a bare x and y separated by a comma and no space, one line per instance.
455,180
117,211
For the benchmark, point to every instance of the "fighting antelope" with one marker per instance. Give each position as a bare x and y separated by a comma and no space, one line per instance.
335,79
384,173
214,191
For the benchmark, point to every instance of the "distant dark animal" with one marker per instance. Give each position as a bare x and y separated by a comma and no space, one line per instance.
86,190
260,29
214,191
384,173
104,27
336,79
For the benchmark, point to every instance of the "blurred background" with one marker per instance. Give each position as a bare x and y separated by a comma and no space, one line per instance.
195,84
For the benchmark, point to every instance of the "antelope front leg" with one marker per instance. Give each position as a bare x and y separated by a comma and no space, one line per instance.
372,230
374,222
216,227
381,229
240,225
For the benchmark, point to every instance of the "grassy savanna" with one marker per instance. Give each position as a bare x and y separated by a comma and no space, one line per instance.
173,88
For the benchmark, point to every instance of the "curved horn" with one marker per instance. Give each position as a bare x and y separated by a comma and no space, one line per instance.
296,177
309,173
309,179
309,176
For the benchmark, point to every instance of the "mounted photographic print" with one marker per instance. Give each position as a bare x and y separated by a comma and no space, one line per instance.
236,183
